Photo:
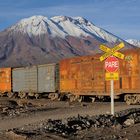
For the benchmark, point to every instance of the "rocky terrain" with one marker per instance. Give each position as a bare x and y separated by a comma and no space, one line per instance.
77,127
37,119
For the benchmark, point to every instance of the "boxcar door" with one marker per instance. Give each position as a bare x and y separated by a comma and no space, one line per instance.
46,78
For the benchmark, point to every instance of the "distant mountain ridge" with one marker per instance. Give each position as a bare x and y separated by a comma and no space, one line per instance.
39,40
134,42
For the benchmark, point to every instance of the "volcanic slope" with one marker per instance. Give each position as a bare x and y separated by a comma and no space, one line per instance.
39,40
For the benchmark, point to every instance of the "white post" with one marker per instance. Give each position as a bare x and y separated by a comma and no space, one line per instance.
112,96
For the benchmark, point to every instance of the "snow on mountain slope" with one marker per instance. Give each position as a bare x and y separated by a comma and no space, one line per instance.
62,26
78,26
37,25
134,42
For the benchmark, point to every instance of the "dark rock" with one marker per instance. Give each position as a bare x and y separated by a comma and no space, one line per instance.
74,124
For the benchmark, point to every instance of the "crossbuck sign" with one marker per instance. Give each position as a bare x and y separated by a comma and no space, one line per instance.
112,51
111,67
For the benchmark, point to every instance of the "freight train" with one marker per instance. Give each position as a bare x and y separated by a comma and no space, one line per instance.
75,79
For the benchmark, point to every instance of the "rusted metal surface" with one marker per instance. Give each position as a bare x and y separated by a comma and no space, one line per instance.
85,75
48,78
5,80
82,75
130,71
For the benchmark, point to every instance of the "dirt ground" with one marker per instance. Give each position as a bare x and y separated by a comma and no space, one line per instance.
28,119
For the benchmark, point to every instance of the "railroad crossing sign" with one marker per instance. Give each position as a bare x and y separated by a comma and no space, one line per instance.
112,66
112,51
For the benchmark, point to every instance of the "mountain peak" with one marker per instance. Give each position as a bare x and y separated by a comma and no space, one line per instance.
62,26
35,17
37,25
81,20
61,18
32,26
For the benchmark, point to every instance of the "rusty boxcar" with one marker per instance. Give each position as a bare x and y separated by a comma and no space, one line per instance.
5,81
85,76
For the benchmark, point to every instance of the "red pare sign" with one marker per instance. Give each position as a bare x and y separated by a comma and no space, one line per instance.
111,64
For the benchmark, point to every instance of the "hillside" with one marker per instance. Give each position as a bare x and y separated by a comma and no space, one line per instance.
39,40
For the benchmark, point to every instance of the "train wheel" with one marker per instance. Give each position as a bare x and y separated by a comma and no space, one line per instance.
92,99
61,98
80,98
36,95
10,94
2,94
31,94
131,99
22,95
138,99
72,98
134,99
53,96
128,99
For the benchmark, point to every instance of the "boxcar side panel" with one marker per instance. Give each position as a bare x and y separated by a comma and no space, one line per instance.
130,71
25,79
47,81
31,79
98,76
66,84
18,76
86,72
5,80
82,75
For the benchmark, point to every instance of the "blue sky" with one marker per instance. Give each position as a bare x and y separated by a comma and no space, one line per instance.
120,17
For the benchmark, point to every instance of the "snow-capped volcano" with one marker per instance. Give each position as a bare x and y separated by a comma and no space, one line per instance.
39,40
62,26
134,42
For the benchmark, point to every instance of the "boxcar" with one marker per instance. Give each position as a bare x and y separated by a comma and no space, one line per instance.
5,81
85,76
36,80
